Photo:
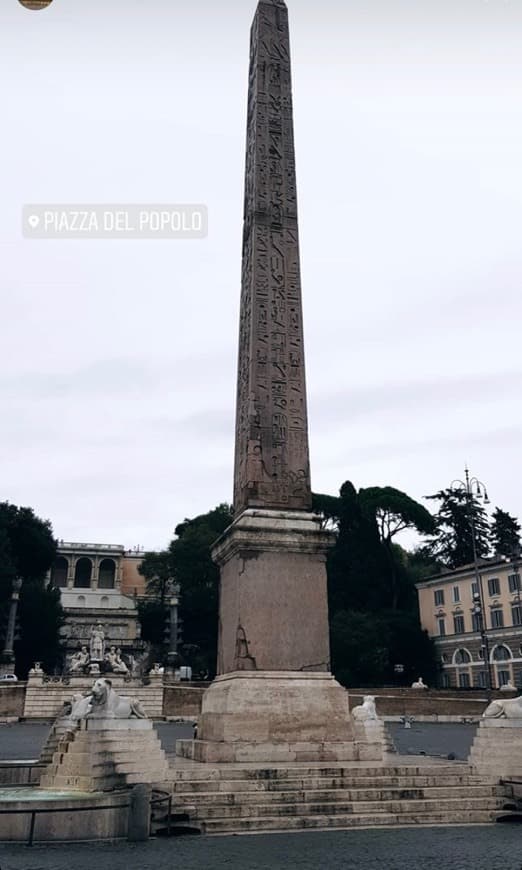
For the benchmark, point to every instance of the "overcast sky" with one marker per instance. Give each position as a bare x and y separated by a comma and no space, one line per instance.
117,380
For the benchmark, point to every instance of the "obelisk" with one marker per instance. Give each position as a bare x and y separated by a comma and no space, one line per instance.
274,697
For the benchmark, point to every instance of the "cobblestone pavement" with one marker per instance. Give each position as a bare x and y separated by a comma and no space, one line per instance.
433,738
472,848
22,740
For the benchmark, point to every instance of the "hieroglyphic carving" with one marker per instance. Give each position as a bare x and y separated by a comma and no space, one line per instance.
272,457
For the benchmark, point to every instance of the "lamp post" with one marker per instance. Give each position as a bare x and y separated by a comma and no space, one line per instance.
173,657
7,660
472,488
515,558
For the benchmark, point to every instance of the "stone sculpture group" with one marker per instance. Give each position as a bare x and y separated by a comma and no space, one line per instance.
90,659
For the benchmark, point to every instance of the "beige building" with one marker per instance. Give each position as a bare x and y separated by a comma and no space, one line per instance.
451,613
99,583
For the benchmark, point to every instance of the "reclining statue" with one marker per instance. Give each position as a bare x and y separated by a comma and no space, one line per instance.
366,710
509,708
104,703
419,684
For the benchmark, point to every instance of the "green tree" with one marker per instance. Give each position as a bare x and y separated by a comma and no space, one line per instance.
188,562
359,652
505,533
452,544
357,565
27,550
198,577
367,646
394,512
156,568
152,614
373,606
329,508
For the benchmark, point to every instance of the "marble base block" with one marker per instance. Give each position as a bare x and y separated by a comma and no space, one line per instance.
497,748
277,716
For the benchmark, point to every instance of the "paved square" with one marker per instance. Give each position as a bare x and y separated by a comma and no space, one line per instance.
492,847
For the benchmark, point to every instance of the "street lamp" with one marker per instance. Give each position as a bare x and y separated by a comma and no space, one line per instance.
173,658
514,559
7,660
472,488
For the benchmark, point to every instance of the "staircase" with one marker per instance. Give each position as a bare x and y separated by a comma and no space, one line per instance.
104,754
230,799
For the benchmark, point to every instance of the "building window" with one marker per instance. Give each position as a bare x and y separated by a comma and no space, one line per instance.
446,681
107,574
464,682
516,614
476,621
456,594
514,582
462,657
501,654
494,586
439,597
480,680
497,618
82,573
474,589
442,627
503,677
59,572
458,624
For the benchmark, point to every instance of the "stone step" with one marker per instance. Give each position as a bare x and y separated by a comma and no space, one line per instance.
311,782
414,807
230,772
287,823
241,798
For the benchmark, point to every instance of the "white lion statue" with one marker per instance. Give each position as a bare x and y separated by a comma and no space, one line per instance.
419,684
80,707
511,708
365,711
104,703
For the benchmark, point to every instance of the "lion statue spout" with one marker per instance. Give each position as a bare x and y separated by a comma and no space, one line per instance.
104,703
509,708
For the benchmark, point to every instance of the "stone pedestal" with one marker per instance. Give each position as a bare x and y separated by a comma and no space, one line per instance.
497,748
275,699
277,717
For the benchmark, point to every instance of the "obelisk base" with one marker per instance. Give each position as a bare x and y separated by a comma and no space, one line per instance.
273,613
276,717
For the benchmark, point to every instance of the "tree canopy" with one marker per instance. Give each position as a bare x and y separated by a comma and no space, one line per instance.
372,598
27,550
505,533
452,544
187,560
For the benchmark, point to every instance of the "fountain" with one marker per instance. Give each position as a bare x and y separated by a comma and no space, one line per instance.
95,753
